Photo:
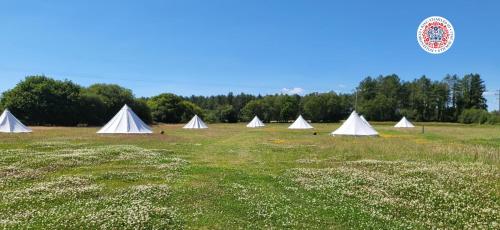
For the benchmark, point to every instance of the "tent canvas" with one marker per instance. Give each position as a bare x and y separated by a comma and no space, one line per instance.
255,123
10,124
300,123
355,126
195,123
404,123
125,122
364,120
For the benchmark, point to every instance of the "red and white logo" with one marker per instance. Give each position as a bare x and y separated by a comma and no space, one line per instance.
435,35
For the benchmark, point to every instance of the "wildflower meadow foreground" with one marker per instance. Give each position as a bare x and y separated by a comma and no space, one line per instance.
229,176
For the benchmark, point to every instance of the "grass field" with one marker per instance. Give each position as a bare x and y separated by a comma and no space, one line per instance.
230,177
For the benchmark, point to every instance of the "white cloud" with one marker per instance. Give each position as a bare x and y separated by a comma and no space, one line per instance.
342,86
295,90
489,93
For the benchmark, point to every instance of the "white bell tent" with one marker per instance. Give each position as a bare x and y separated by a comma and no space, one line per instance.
300,123
255,123
195,123
125,122
404,123
10,124
355,126
364,120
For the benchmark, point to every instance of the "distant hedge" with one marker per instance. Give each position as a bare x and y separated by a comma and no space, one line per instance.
40,100
478,116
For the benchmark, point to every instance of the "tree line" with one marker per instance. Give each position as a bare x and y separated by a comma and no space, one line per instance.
40,100
388,98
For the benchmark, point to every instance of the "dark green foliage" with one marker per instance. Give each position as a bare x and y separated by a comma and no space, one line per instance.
227,113
473,88
114,97
474,116
384,98
189,110
170,108
92,110
387,98
289,107
142,110
256,108
494,118
326,107
41,100
378,98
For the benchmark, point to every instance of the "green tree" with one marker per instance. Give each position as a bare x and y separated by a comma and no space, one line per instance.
227,113
326,107
166,108
114,97
91,110
440,95
314,107
455,97
380,98
420,98
141,108
189,110
288,107
39,100
473,89
478,116
255,108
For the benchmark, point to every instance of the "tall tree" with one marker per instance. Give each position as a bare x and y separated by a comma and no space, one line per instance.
166,108
476,99
455,102
39,100
256,107
114,97
379,98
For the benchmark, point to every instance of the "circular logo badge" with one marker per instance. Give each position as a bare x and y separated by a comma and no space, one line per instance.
435,35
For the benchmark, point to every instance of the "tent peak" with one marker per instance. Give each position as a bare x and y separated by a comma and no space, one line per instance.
126,122
300,123
355,126
10,124
404,123
195,123
255,123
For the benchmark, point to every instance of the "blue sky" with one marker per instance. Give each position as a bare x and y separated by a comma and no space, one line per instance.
206,47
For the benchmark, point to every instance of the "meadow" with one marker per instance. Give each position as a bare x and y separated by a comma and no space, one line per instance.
230,177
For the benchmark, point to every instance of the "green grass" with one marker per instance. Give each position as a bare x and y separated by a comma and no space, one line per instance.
229,177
